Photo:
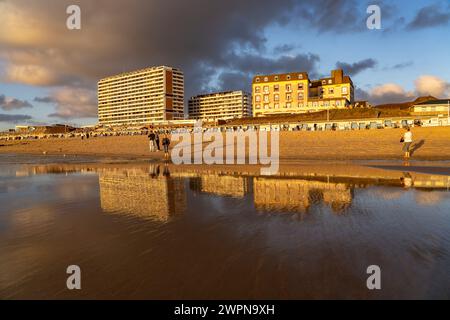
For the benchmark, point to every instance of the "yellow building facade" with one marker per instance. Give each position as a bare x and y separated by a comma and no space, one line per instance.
297,93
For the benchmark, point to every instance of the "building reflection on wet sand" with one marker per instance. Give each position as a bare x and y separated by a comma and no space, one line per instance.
156,192
152,195
221,185
298,195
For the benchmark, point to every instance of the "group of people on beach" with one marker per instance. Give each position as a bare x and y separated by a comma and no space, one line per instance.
154,143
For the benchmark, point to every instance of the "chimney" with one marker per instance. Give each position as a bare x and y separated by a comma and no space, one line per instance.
337,75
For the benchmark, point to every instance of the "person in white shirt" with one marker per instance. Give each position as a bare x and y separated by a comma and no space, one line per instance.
407,141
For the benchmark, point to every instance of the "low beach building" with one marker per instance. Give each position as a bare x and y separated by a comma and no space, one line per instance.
432,108
220,106
141,97
291,93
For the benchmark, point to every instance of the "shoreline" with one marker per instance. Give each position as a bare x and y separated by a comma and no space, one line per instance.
428,167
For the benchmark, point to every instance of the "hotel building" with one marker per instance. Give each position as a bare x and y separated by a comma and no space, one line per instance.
221,105
296,93
141,97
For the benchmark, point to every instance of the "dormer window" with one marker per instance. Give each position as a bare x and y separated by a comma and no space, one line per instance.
257,80
276,78
266,79
288,77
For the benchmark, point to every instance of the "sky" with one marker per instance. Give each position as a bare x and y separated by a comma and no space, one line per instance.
49,74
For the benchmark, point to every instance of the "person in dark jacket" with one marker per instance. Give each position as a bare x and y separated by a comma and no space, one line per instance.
166,143
157,141
152,138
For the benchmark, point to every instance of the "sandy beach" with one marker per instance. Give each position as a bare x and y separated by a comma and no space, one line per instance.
431,143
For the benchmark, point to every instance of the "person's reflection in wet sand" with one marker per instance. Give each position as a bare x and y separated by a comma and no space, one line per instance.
154,171
407,180
166,171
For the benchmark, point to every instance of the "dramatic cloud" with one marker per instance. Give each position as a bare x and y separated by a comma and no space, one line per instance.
8,104
72,103
430,16
245,66
431,85
219,45
394,93
390,92
39,50
14,118
357,67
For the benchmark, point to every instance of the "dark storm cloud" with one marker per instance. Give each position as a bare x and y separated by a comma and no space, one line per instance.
430,16
218,44
14,118
44,100
402,65
242,68
8,104
357,67
283,48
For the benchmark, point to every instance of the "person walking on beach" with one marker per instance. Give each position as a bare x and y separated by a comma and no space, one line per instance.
157,141
151,138
166,143
407,141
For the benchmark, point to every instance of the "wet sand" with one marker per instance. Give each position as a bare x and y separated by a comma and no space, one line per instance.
147,230
430,144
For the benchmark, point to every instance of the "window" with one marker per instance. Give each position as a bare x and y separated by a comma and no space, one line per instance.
258,98
300,96
315,104
288,87
288,105
276,78
338,103
344,90
276,97
324,82
300,76
288,96
266,98
424,108
266,106
257,89
330,81
257,80
288,77
257,106
266,79
300,86
276,105
266,89
300,105
331,91
276,88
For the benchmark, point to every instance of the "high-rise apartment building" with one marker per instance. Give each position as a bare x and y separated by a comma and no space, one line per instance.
141,97
221,105
296,93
